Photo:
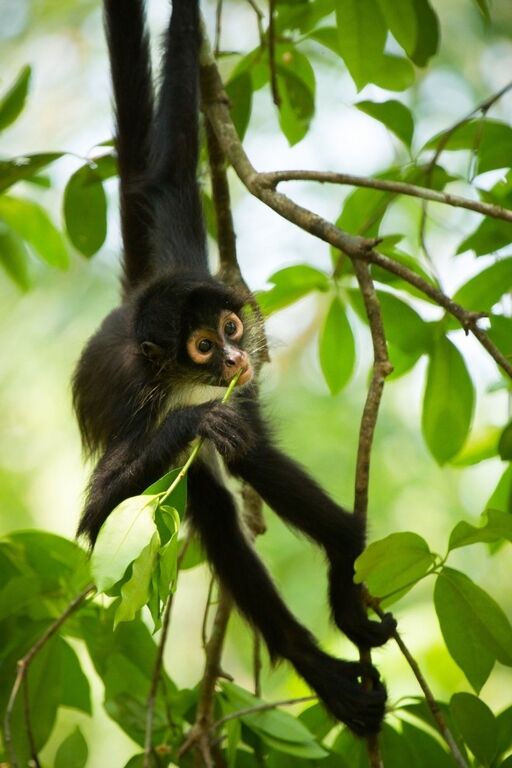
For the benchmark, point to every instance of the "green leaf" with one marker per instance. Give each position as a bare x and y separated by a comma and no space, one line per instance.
490,139
135,591
337,348
85,210
24,168
501,497
394,563
404,327
497,525
484,9
394,115
290,285
362,36
276,727
239,91
75,691
489,237
504,737
474,627
194,554
32,224
448,401
500,333
394,73
483,291
363,211
402,22
428,33
13,257
179,495
477,725
13,102
505,443
424,748
72,752
122,537
482,444
296,109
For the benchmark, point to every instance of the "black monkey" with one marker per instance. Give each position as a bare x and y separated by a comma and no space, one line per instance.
150,380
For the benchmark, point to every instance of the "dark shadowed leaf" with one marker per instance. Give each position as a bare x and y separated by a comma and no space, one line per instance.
336,347
474,627
477,725
505,443
427,40
85,210
448,401
239,90
12,103
72,752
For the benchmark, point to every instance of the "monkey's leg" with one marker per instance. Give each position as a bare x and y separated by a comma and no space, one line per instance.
337,682
298,500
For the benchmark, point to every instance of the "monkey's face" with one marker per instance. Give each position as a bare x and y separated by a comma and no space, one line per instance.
216,348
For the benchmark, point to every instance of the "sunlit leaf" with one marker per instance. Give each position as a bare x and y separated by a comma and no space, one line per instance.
14,257
394,73
448,401
490,139
482,444
127,530
393,114
362,35
33,224
477,725
24,167
394,563
290,285
12,103
135,591
336,347
501,497
497,525
402,22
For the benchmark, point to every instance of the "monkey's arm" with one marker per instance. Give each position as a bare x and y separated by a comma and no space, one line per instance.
130,465
300,501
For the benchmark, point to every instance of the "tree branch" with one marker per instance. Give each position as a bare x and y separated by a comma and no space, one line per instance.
271,179
23,667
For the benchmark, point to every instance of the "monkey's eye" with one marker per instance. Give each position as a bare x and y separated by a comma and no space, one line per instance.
230,328
204,346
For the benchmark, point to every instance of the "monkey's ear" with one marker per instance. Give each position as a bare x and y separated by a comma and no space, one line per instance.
151,351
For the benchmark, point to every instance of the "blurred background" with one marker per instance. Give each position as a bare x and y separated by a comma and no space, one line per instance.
42,474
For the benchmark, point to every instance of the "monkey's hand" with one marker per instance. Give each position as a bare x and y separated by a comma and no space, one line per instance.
350,616
227,429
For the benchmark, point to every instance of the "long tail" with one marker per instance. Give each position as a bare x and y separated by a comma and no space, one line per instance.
130,65
179,239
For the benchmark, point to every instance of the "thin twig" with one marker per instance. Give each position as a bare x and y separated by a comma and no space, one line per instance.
394,187
381,368
25,662
260,16
429,696
274,88
262,708
28,724
483,107
218,27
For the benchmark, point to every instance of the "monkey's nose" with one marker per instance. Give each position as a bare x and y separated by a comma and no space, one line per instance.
230,362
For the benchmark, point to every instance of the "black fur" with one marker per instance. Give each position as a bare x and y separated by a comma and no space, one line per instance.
133,374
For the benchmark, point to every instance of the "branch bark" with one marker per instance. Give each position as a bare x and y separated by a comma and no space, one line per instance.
23,668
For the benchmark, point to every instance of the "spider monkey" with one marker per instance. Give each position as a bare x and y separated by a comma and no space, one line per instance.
150,380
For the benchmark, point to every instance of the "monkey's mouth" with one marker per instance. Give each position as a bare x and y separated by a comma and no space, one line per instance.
245,376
